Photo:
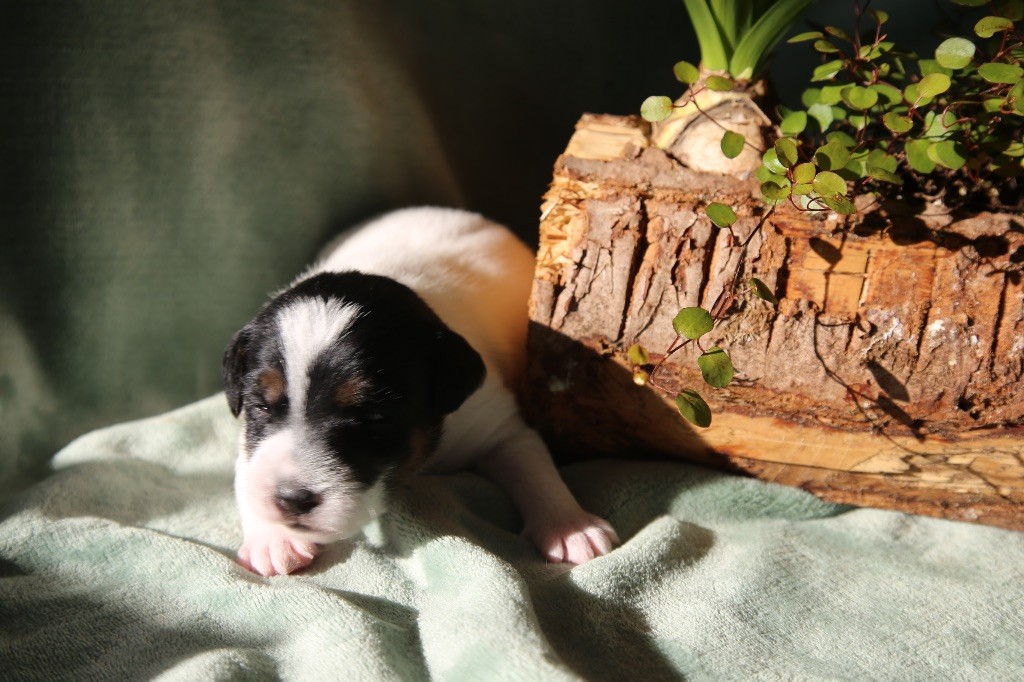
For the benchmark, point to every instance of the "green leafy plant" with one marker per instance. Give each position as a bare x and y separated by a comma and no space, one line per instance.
736,39
882,121
692,324
887,117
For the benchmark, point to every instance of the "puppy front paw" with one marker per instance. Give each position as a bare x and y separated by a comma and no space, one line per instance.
573,538
274,552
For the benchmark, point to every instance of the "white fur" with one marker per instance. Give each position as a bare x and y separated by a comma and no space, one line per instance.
345,509
472,272
306,329
476,276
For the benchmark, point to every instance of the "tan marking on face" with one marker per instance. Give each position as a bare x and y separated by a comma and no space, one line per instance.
272,386
351,392
422,444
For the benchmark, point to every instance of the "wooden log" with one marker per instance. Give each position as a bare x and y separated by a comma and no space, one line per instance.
889,375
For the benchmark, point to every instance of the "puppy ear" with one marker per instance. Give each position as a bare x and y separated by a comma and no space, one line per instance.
235,366
457,371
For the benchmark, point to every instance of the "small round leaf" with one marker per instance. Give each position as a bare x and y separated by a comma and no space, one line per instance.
842,138
884,175
917,156
720,83
771,162
638,355
989,26
914,97
1011,9
832,156
827,184
827,70
859,98
825,47
732,144
993,104
933,84
685,72
1016,94
656,108
891,93
947,153
840,205
822,113
930,66
764,175
954,53
877,158
832,94
794,123
897,123
855,169
804,37
940,125
693,323
716,367
693,408
773,191
810,97
1013,149
838,33
785,151
995,72
761,290
720,214
804,172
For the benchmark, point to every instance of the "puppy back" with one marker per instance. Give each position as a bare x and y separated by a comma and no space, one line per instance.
474,273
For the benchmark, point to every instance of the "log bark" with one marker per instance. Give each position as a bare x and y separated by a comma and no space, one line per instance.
889,374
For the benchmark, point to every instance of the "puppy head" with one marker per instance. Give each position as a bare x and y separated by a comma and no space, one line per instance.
343,382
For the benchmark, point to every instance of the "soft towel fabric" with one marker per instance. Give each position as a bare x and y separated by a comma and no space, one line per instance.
119,565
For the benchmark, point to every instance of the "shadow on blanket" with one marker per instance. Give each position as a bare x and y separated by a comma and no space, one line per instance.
120,565
95,636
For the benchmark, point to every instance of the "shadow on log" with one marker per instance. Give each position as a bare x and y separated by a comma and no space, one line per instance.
584,402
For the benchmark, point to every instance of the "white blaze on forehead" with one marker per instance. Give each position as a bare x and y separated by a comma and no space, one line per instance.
307,327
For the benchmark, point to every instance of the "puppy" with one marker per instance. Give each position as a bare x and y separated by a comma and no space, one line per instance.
395,354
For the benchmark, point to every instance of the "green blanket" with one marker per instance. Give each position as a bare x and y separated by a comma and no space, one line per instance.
119,565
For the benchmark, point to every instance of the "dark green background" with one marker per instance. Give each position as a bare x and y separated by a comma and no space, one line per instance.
167,164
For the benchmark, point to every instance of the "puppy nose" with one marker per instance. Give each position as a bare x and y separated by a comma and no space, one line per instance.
295,500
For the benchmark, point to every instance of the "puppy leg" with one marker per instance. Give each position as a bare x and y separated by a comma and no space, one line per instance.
267,548
553,519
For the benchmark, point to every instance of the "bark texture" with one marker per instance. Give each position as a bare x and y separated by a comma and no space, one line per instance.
889,374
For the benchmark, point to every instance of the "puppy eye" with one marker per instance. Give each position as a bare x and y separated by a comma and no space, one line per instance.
364,417
267,409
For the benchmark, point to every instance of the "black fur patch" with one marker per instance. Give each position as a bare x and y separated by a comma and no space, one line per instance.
412,369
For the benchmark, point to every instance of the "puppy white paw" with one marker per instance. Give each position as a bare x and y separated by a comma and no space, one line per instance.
274,552
573,538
